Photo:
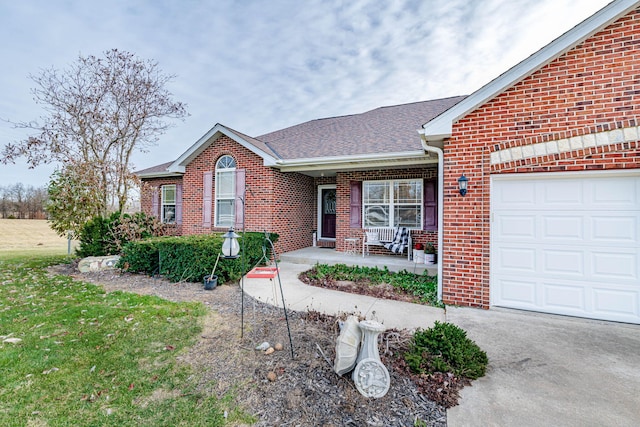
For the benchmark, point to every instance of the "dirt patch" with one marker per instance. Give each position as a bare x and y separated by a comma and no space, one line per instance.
306,390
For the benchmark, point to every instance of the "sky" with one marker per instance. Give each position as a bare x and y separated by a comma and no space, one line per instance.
259,66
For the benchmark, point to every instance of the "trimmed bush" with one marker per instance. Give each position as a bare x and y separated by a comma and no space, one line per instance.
107,236
141,256
190,258
446,348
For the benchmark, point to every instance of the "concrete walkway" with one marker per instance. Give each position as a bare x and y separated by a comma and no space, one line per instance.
544,370
301,297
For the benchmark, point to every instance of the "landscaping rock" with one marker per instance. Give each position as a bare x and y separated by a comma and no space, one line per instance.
263,346
98,263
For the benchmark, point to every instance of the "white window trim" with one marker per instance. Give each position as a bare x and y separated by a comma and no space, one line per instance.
217,192
391,204
163,204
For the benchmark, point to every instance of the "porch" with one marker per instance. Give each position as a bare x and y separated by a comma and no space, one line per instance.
330,256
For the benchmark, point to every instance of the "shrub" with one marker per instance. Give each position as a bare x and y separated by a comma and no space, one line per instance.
106,236
446,348
190,258
141,256
95,237
136,227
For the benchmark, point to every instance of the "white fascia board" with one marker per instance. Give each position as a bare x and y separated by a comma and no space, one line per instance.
349,159
162,174
441,126
180,164
344,162
432,140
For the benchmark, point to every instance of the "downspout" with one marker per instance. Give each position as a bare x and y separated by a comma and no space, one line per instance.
438,151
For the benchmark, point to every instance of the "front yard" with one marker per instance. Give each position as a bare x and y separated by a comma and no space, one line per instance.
71,354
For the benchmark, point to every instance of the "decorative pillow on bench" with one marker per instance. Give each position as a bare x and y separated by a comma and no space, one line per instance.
372,236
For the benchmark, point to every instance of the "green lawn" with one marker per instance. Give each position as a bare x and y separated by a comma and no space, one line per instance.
72,355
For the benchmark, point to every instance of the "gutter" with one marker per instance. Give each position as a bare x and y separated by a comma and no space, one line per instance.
338,160
162,174
438,151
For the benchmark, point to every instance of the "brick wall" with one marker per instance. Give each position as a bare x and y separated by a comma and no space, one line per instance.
274,201
593,88
293,210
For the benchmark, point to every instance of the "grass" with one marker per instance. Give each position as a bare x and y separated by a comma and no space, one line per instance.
423,286
31,237
70,354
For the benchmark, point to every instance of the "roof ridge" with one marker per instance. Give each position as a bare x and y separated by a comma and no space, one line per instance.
416,102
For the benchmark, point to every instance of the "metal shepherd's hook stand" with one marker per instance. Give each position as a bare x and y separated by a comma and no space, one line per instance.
244,271
284,306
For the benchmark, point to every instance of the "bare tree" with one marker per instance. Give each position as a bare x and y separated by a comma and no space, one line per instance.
17,193
99,111
36,199
20,201
5,202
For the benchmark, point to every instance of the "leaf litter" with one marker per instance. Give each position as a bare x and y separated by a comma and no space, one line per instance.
306,390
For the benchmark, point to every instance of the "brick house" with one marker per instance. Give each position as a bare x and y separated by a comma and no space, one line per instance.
551,218
304,179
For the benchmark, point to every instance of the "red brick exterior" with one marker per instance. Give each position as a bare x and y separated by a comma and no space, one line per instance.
274,201
592,88
285,203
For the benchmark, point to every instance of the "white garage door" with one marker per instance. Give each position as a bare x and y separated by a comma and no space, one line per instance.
567,244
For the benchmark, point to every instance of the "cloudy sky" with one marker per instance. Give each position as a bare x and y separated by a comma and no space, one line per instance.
259,66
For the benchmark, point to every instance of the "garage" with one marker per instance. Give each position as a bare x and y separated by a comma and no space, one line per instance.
567,243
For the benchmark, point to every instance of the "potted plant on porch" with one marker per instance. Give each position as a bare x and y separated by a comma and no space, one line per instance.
418,252
429,254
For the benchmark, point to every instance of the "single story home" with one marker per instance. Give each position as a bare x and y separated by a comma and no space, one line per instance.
332,177
549,222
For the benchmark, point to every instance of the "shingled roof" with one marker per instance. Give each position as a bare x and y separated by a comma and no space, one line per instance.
154,170
383,130
392,129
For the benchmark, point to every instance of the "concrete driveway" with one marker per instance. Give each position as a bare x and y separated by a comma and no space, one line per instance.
547,370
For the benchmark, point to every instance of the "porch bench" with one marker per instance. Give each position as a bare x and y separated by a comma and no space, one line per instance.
384,235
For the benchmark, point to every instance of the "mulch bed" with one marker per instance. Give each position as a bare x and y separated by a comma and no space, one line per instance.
306,390
361,287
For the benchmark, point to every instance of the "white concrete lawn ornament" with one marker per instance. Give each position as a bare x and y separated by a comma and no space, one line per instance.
370,376
347,346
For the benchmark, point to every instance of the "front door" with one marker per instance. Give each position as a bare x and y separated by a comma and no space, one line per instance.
328,213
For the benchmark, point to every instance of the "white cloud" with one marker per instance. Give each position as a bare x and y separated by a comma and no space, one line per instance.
259,66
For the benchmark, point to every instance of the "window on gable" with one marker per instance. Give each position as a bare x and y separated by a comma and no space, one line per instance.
225,191
168,204
392,203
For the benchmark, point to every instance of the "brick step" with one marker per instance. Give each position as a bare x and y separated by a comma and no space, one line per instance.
326,243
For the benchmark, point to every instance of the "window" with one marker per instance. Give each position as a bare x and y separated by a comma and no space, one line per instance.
393,203
225,191
168,203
